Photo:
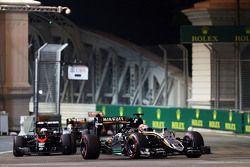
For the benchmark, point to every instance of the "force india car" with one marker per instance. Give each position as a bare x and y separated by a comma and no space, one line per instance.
48,137
136,140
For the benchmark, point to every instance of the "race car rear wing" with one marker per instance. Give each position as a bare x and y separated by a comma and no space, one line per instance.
50,126
99,120
76,121
47,124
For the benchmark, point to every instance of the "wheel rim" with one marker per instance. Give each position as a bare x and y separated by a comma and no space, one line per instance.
84,148
187,141
132,146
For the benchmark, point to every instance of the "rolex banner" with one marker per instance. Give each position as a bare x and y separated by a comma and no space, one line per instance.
214,34
180,119
247,122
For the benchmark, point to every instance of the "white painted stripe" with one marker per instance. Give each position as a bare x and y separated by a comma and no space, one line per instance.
219,132
141,162
4,152
235,135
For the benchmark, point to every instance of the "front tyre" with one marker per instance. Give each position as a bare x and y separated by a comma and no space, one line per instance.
66,144
135,142
193,143
90,146
18,142
73,143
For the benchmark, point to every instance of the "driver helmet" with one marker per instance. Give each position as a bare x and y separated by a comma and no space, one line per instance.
70,126
138,121
43,130
142,127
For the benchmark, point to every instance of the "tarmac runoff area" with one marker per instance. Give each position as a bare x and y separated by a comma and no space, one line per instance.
228,150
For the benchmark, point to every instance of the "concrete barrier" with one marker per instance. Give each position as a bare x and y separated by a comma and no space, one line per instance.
68,110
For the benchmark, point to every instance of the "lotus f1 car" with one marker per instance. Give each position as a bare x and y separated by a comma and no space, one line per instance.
136,140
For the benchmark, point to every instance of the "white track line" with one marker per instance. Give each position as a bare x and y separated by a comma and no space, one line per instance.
4,152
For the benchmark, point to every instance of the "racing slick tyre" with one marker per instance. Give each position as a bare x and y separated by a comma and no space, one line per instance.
66,144
90,146
73,143
18,141
135,142
193,143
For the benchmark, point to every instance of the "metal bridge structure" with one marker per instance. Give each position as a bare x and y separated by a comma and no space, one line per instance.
120,72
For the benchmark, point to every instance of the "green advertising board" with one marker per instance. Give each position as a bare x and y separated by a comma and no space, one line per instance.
247,122
217,119
155,117
180,119
214,34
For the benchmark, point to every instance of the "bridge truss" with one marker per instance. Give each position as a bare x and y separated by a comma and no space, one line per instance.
119,71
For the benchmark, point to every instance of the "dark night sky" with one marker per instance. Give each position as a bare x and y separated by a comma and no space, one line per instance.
144,22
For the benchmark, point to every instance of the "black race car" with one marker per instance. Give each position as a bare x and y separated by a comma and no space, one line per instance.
134,139
48,137
79,126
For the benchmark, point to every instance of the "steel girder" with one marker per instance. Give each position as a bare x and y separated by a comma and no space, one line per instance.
119,72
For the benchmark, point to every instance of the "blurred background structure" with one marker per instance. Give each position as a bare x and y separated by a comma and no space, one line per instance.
126,71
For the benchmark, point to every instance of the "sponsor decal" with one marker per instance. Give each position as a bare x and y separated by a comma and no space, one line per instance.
139,110
247,128
243,38
178,114
158,124
158,114
214,123
113,119
248,118
205,37
117,151
197,113
229,125
104,110
178,125
214,114
121,109
197,122
230,116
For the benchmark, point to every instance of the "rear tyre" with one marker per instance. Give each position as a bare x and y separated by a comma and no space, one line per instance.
135,142
18,141
66,144
73,143
90,146
193,143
